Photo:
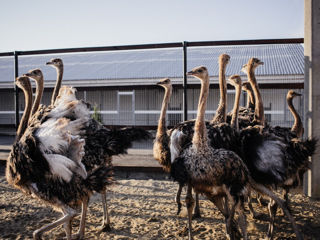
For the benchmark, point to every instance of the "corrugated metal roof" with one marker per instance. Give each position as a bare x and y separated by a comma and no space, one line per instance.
279,59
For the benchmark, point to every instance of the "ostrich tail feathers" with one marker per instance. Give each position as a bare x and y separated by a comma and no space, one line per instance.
134,134
119,140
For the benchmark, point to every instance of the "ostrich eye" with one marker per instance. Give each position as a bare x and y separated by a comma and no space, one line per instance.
200,70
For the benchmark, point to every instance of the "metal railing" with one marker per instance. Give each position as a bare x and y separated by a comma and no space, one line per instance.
183,45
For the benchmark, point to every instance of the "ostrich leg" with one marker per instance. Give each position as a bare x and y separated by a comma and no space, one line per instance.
69,213
106,218
190,205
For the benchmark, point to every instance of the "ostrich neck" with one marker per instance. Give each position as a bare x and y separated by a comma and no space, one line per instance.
58,84
39,93
199,137
162,119
297,125
258,110
220,115
26,114
250,100
235,111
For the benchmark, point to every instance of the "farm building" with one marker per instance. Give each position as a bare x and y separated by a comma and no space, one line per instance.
122,84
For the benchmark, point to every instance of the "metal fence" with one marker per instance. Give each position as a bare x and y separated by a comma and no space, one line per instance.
128,94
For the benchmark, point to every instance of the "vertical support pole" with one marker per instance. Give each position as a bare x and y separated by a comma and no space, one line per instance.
185,83
16,89
312,89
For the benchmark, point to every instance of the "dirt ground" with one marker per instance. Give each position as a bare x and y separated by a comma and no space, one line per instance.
145,209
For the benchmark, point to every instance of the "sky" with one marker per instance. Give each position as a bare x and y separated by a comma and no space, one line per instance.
44,24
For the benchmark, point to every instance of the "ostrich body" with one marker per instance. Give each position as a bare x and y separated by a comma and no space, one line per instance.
52,171
210,171
101,142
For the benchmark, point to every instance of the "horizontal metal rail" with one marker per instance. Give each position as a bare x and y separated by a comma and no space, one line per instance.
157,46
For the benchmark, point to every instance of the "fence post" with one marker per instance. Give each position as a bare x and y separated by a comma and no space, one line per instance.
185,83
16,89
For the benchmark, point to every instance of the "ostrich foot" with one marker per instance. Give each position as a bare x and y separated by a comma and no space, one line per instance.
179,208
196,215
77,236
105,228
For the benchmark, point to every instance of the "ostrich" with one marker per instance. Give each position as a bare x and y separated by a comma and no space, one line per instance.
57,63
205,168
161,151
38,165
246,86
246,114
297,126
249,68
220,115
177,137
193,164
235,80
101,143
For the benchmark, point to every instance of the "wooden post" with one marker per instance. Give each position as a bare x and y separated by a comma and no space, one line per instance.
312,90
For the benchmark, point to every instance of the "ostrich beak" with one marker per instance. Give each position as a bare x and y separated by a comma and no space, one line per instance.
190,73
26,75
49,63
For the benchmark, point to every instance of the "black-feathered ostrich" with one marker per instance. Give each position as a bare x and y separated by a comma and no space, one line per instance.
45,162
101,143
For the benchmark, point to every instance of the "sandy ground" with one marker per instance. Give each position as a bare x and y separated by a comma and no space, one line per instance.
145,209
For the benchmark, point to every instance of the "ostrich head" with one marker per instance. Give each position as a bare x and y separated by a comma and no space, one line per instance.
235,80
199,72
246,86
35,74
55,62
23,82
292,94
252,64
165,83
224,58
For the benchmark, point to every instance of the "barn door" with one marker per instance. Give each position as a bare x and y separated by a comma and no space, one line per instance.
126,108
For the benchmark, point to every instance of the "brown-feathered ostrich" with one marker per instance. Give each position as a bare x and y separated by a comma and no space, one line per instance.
212,172
179,138
57,63
220,115
249,68
161,150
101,142
161,145
216,171
253,113
235,80
246,86
45,162
297,126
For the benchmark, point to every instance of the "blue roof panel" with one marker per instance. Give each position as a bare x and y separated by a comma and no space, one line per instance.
279,59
